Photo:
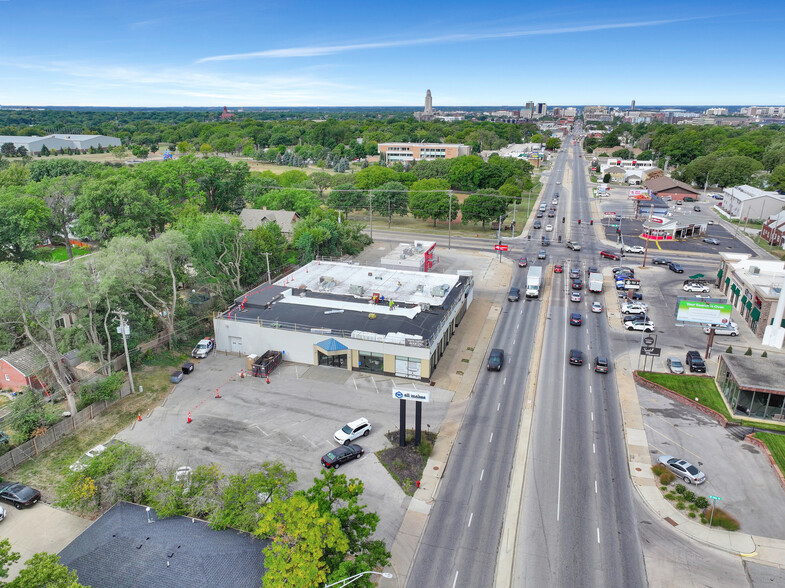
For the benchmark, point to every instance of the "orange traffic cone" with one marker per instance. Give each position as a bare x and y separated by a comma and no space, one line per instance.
189,418
140,416
268,379
242,374
217,393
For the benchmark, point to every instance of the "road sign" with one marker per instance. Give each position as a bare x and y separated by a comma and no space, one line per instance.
648,341
411,395
501,247
651,351
715,497
632,284
609,213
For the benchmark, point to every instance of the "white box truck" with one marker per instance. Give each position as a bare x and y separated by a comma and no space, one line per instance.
533,282
595,282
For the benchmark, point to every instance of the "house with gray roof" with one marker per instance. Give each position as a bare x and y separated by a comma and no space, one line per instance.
748,202
254,217
22,369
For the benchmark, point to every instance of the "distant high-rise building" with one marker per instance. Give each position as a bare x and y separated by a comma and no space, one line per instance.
428,103
541,109
716,112
632,106
529,110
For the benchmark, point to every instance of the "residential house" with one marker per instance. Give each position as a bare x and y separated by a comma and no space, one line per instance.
22,369
618,174
254,217
773,230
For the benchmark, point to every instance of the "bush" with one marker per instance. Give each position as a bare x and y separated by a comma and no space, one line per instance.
749,351
692,515
670,496
764,354
680,505
107,389
689,496
425,449
30,413
702,502
680,489
667,477
729,349
721,519
658,469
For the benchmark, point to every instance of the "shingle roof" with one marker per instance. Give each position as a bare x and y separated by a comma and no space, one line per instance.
27,360
122,550
664,183
253,217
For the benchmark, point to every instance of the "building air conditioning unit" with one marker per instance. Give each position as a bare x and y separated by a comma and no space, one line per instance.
754,270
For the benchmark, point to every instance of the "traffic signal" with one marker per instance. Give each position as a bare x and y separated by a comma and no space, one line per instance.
579,221
591,222
562,220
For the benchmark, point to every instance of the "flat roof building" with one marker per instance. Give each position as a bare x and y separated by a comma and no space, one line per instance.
745,202
60,141
417,151
362,318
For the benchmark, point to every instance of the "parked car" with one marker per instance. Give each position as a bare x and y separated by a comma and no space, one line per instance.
634,307
514,295
623,270
711,241
683,469
730,329
353,430
661,261
640,325
693,287
609,255
203,348
636,295
695,362
596,307
557,269
2,513
340,455
523,262
575,319
675,267
496,360
575,296
576,357
674,365
18,494
601,364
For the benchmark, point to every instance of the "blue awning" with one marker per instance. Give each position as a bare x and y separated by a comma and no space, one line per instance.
332,345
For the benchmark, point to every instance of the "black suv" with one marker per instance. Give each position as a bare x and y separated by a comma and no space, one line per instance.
576,357
695,361
514,295
496,360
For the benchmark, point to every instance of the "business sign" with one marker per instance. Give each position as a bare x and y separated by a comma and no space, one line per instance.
609,213
657,219
501,248
632,284
651,351
638,193
703,312
411,395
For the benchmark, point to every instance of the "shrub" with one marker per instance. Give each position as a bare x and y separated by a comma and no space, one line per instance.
680,488
658,469
702,502
704,520
729,349
764,354
692,515
425,448
722,519
670,496
667,477
749,351
680,505
107,389
689,496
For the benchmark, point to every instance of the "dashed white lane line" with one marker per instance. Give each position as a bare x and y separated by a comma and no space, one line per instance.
482,473
455,581
491,439
471,516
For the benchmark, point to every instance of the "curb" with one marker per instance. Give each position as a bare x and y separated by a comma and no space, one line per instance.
654,387
765,450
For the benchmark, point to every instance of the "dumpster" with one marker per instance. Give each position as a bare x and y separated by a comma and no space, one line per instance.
176,377
266,363
188,367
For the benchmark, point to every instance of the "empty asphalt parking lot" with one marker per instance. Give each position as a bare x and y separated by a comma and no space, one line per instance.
292,419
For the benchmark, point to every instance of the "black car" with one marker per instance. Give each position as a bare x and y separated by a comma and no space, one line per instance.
661,261
623,269
546,240
601,364
577,284
342,454
675,267
496,360
539,214
592,270
638,316
514,295
695,361
636,295
18,494
537,224
575,319
576,357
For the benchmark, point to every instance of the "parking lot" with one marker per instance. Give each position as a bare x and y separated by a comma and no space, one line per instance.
292,419
736,471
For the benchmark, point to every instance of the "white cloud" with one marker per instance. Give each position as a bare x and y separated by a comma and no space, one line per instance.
461,37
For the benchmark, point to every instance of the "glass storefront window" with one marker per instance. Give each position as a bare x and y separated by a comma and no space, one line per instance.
371,362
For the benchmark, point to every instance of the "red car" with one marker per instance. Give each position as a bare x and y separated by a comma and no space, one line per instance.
557,269
609,255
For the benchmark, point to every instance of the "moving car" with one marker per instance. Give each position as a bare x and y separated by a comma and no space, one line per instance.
634,249
546,240
496,360
575,297
592,270
609,255
640,325
601,364
523,262
661,261
731,329
675,267
548,227
596,307
574,245
537,224
340,455
577,284
683,469
557,269
674,365
353,430
539,215
633,307
696,208
575,273
576,357
541,254
18,494
203,348
514,295
693,287
575,319
711,241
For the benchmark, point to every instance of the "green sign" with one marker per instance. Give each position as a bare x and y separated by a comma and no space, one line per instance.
715,497
708,313
696,276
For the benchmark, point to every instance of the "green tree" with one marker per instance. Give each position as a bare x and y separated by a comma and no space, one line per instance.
538,138
14,175
552,143
436,168
606,179
645,155
119,152
374,176
299,534
463,172
289,179
429,199
184,147
220,183
777,178
622,154
7,557
140,152
60,196
45,570
346,198
322,180
44,151
25,221
8,150
733,171
300,201
391,198
483,207
30,412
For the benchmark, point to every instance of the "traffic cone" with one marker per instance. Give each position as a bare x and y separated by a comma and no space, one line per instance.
242,374
268,379
418,483
217,393
189,418
140,416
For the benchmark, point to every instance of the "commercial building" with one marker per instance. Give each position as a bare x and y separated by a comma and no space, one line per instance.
419,256
753,386
753,286
716,112
670,189
353,317
57,142
417,151
747,202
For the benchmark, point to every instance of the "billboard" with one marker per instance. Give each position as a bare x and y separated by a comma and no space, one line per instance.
705,313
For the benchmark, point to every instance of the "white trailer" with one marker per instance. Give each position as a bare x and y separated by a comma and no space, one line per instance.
595,282
534,282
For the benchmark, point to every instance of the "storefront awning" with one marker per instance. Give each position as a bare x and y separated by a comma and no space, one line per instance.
719,275
755,314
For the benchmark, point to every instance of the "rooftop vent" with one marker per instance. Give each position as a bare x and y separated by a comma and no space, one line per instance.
754,270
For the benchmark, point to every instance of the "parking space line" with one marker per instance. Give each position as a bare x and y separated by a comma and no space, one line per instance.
260,430
309,441
656,416
355,383
672,441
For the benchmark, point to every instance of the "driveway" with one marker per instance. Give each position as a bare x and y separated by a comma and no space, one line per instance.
736,471
292,419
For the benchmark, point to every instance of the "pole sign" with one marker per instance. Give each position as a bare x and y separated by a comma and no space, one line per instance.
411,395
632,284
651,351
704,312
609,213
501,248
715,497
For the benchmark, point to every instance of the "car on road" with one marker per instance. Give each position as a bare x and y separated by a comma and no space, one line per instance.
555,201
514,295
576,357
592,270
537,224
675,267
546,240
640,325
609,255
340,455
18,494
683,469
548,227
557,269
674,365
601,364
634,307
353,430
539,214
696,208
661,261
731,329
523,262
574,245
634,249
575,319
596,307
575,273
541,254
693,287
496,360
575,297
551,214
695,362
711,241
203,348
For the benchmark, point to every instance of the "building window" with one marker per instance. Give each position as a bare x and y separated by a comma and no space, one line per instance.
60,323
7,378
371,362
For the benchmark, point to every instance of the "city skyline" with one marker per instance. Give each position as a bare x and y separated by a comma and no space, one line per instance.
200,53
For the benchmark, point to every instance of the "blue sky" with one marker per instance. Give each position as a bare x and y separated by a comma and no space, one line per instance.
263,53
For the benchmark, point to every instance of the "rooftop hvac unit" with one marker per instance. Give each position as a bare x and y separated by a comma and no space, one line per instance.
425,306
754,270
420,288
356,289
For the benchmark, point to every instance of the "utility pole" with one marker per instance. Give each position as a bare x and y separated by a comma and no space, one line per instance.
267,255
370,213
449,220
122,329
512,226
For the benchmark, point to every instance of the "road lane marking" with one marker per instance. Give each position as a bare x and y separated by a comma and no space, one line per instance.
455,580
593,448
589,389
504,383
561,430
598,534
374,384
482,473
595,486
471,516
498,406
672,441
355,383
592,416
491,439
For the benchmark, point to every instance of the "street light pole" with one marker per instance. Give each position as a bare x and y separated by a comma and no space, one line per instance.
449,220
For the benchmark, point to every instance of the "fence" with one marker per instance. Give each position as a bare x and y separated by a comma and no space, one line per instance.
33,447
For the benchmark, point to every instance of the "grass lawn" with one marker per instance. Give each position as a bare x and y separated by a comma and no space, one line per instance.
691,387
60,254
776,444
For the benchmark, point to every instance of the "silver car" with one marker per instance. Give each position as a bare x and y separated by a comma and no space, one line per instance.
683,469
674,365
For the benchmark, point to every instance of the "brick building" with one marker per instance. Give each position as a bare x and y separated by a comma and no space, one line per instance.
773,230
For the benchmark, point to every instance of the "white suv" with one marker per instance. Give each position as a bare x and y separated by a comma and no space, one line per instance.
731,329
634,249
351,431
695,287
633,308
